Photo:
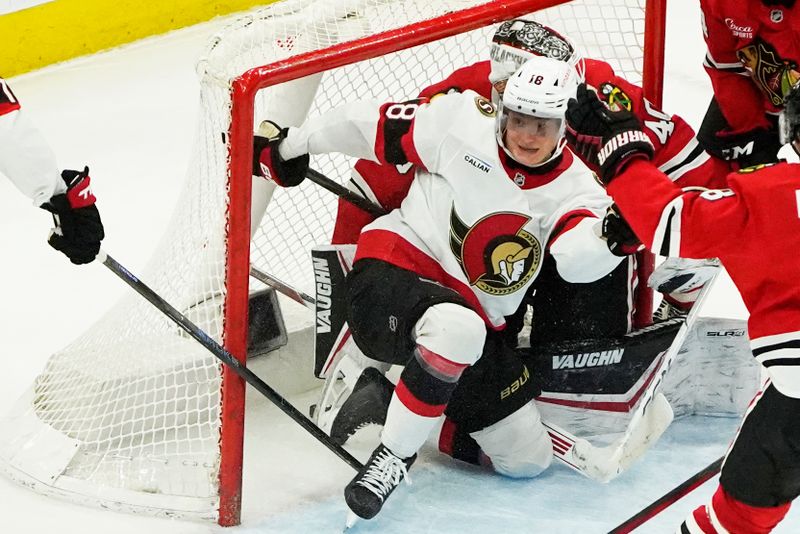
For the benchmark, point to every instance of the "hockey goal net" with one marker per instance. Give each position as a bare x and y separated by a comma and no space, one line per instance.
135,416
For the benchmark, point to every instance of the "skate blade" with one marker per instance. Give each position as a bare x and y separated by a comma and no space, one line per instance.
352,519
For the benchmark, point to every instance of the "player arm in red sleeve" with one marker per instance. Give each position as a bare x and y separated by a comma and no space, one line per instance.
739,99
673,222
677,151
474,77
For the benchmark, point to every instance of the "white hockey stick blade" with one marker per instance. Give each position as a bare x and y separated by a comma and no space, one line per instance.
649,420
603,464
606,463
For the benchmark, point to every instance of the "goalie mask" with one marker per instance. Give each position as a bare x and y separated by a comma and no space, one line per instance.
518,40
530,116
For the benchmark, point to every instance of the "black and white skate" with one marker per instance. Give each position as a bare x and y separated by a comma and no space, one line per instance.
366,405
373,484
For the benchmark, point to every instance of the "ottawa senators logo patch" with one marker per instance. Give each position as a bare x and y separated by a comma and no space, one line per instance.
484,106
615,98
496,254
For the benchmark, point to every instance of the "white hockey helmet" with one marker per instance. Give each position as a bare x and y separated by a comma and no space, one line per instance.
541,88
516,41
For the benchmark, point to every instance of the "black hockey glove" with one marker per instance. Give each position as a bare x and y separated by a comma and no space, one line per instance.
618,234
78,230
267,161
607,139
749,148
752,147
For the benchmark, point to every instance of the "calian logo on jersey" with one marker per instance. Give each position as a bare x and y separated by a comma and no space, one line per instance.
496,254
477,163
588,359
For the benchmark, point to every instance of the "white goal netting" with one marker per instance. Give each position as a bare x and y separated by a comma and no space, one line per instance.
128,416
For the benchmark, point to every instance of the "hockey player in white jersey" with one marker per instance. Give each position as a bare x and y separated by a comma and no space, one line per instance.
493,188
27,160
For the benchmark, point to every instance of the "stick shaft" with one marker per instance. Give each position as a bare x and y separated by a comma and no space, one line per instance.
228,359
293,293
670,498
339,190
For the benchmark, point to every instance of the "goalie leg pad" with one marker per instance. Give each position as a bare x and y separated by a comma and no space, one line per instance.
518,446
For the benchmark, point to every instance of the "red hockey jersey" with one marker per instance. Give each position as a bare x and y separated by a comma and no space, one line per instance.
752,58
677,152
753,227
25,157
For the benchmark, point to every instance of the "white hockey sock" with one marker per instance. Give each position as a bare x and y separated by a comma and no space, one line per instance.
406,431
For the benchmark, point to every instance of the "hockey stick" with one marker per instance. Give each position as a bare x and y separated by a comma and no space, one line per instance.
227,358
651,417
341,191
670,498
295,294
565,444
266,127
650,420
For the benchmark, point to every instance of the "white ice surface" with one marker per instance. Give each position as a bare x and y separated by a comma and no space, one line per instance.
130,115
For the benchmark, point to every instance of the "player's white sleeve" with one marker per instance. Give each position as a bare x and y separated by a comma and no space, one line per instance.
350,129
27,160
581,254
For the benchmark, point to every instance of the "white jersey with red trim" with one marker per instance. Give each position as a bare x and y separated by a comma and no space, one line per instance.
25,157
472,220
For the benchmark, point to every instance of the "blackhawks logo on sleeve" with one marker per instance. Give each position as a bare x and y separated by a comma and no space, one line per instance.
496,254
615,98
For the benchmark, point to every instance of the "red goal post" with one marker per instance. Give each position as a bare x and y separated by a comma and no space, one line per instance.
135,416
244,89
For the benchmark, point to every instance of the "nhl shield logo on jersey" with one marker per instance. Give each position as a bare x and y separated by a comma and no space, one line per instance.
496,254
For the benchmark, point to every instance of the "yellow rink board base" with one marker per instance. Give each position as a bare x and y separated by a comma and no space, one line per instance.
64,29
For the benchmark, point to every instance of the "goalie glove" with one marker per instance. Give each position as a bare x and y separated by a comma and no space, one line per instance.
607,140
78,229
618,234
267,160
